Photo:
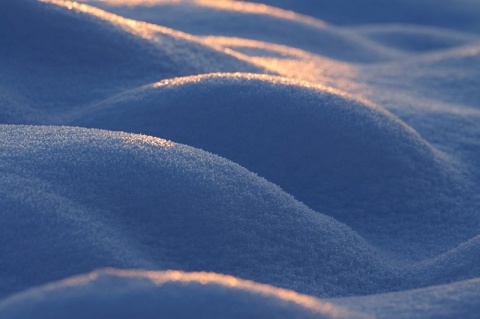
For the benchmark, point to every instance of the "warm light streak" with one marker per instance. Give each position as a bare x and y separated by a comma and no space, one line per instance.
137,2
248,76
143,29
258,8
254,8
160,278
228,5
291,62
277,49
140,140
287,61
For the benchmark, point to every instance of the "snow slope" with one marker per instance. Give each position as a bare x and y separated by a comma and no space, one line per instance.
365,139
454,14
340,156
165,206
256,22
62,54
170,206
126,294
457,300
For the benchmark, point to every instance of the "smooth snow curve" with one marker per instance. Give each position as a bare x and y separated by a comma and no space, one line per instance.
457,300
79,54
238,19
170,206
166,206
457,14
340,156
360,117
147,294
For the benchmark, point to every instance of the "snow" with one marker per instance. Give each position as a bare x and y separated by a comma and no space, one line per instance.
256,22
328,144
243,160
454,14
459,300
77,57
165,206
171,294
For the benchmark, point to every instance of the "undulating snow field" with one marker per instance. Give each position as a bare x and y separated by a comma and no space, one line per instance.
227,159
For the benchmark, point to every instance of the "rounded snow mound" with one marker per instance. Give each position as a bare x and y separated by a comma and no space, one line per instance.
73,200
340,156
257,22
172,294
58,54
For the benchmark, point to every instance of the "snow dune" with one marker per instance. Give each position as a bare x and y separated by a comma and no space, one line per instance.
340,156
166,206
226,137
173,294
78,54
256,22
170,206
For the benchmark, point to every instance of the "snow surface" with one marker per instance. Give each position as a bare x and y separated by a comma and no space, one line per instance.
333,159
171,294
328,144
454,14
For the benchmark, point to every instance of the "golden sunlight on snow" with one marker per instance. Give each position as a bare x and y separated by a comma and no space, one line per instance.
278,59
142,29
289,62
141,140
249,76
255,8
138,28
228,5
208,278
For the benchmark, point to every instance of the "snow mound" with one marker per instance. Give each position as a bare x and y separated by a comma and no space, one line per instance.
258,22
73,200
147,294
58,54
340,156
349,199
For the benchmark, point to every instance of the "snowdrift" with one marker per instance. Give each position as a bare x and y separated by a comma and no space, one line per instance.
340,156
170,206
166,206
61,54
257,22
122,294
360,185
147,294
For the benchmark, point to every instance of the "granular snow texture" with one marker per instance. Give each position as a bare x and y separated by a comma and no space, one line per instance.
244,160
